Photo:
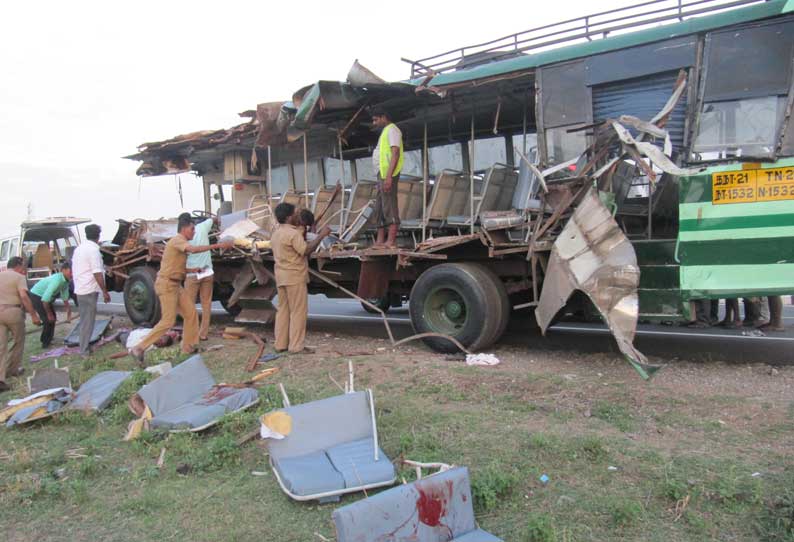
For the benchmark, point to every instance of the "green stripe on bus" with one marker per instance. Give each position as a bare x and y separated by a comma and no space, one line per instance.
740,279
748,232
703,212
755,250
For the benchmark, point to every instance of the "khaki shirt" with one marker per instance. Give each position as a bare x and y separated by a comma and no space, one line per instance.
289,251
10,284
174,264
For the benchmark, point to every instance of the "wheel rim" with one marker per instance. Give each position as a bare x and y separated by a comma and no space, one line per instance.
446,311
139,297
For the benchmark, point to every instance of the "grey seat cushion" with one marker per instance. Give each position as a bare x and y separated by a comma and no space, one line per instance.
188,416
202,412
309,474
97,391
356,462
477,536
185,383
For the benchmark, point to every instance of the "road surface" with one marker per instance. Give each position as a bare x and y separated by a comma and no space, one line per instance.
670,342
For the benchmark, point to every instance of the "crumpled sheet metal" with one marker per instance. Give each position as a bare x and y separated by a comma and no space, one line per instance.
594,256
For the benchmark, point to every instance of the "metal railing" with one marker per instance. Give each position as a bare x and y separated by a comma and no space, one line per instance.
580,29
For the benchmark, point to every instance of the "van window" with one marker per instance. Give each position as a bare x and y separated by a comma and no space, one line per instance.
13,250
4,251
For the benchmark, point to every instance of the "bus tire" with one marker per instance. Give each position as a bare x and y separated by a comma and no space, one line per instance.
140,299
462,300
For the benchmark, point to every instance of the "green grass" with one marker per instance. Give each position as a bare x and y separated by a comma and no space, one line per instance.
676,476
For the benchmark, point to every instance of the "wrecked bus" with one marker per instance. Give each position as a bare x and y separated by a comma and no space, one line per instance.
617,161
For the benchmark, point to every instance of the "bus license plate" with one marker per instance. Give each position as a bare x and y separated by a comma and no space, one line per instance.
748,186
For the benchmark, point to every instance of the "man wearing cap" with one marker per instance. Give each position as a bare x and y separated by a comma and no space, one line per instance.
388,161
173,298
89,282
13,297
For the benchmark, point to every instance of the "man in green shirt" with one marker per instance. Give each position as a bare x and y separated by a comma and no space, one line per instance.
43,295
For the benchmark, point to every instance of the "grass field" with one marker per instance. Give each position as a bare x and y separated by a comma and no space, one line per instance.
703,452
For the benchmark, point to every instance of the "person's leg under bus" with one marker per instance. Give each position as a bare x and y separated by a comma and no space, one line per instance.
282,320
775,314
205,293
190,324
299,311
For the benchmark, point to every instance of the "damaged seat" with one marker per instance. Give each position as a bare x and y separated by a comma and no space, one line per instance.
186,398
331,449
437,508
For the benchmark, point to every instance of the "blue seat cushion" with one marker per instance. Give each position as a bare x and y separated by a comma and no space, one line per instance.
356,462
309,474
188,416
476,536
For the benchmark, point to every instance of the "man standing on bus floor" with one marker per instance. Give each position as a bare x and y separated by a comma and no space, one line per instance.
291,252
200,275
388,161
89,281
173,298
13,297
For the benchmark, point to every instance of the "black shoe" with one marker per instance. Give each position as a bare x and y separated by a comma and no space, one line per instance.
4,386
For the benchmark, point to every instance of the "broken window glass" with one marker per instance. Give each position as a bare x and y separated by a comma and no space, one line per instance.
445,157
333,171
739,128
562,146
488,152
279,184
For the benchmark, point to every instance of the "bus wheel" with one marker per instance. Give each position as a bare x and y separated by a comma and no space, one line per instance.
463,300
140,299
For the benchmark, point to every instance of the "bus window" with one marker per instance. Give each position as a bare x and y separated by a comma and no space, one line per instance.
4,251
279,184
531,143
488,152
315,174
333,171
14,246
747,79
564,105
365,169
445,157
412,163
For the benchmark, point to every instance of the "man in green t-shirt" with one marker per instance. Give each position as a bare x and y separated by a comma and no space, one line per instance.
43,295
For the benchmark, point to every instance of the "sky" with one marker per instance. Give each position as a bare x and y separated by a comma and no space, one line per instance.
84,83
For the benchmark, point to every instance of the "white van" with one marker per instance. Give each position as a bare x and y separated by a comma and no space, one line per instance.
43,245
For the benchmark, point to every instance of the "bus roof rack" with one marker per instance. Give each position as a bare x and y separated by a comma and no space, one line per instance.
580,29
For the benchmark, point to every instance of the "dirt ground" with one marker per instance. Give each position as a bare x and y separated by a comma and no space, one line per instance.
701,452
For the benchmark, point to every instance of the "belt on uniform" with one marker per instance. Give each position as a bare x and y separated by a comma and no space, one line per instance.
10,306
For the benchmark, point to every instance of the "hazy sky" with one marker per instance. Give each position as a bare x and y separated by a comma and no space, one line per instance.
84,83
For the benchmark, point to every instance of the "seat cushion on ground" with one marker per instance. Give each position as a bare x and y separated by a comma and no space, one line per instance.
188,416
477,536
230,399
97,391
185,383
356,462
320,425
433,509
309,474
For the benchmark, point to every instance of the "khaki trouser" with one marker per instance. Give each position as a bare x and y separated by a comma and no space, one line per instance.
173,300
293,309
202,288
12,320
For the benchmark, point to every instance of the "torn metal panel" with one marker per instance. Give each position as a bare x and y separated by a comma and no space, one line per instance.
594,256
359,76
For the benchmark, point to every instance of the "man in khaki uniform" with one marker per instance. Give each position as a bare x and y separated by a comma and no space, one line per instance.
13,297
291,252
173,298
